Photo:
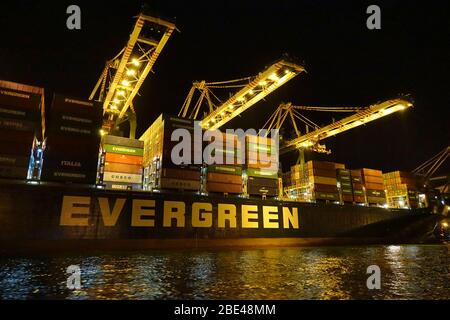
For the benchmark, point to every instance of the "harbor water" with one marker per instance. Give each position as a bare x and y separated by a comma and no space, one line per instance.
407,272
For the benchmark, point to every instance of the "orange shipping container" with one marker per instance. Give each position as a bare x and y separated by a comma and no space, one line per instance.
371,172
373,179
123,167
121,158
224,178
181,174
223,187
374,186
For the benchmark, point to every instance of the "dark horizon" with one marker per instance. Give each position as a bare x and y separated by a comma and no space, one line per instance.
347,64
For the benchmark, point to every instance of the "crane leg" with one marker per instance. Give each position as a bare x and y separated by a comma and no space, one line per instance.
301,158
133,124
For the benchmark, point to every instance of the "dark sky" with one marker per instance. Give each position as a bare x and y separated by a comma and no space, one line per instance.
347,64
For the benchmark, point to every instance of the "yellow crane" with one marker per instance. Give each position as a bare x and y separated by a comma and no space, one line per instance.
252,90
313,133
123,75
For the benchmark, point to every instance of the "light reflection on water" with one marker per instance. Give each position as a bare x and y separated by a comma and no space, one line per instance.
408,272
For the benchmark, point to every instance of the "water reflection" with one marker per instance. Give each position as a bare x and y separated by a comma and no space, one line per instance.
408,272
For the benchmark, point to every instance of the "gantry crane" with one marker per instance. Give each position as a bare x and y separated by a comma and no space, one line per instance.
427,169
313,133
123,75
253,89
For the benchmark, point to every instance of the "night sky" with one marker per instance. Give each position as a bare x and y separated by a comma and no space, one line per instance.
347,64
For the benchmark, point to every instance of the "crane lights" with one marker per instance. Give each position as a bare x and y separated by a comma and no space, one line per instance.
262,85
364,116
132,65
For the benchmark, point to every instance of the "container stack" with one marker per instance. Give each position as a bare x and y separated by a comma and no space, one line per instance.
374,187
357,187
317,181
401,189
160,170
122,163
262,166
72,140
21,108
344,181
226,177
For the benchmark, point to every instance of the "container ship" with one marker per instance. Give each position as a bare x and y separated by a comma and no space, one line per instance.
70,180
68,188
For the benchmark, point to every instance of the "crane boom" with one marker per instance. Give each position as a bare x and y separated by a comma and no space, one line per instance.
262,85
128,70
369,114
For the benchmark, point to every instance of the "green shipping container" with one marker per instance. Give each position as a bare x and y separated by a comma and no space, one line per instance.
237,170
262,173
326,196
346,191
123,150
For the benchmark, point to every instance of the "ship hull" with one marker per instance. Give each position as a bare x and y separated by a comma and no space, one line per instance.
51,218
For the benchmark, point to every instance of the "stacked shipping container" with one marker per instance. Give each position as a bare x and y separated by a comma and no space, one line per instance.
122,165
72,142
374,187
160,170
261,166
226,177
401,189
357,186
317,180
21,107
344,181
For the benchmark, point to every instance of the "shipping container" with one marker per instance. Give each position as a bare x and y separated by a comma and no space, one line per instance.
122,141
374,186
55,174
125,159
237,170
323,180
326,196
122,186
169,183
325,188
181,174
223,187
262,191
14,160
373,179
130,151
224,178
262,173
347,198
371,172
19,99
122,177
14,172
254,181
76,106
19,125
122,167
17,147
376,200
375,193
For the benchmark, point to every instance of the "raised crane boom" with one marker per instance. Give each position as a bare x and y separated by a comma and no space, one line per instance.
364,116
427,169
123,76
256,89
